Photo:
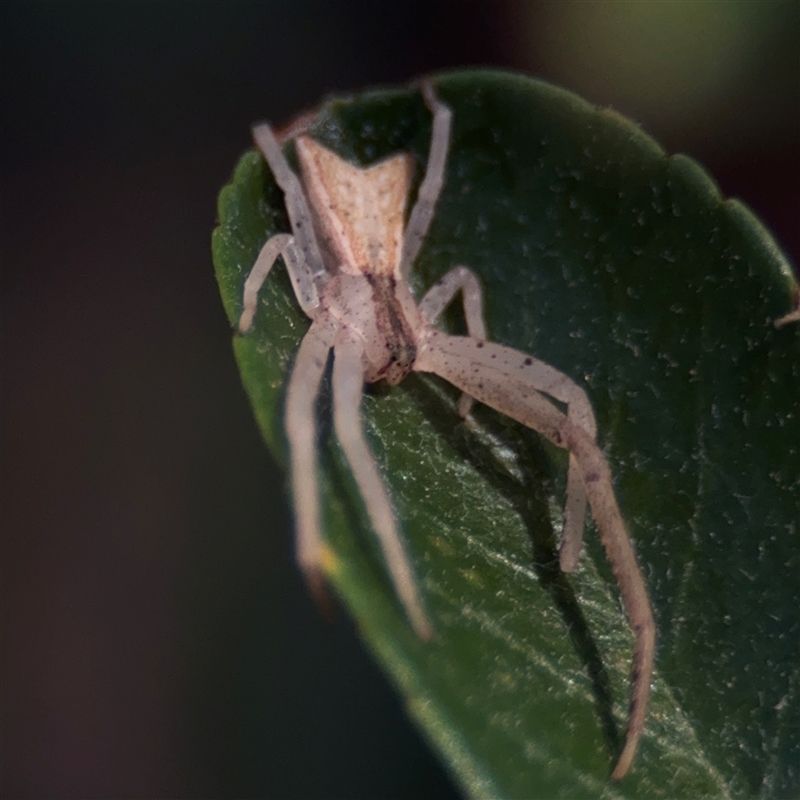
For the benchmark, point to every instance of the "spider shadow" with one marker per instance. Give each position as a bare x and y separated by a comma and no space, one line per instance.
528,496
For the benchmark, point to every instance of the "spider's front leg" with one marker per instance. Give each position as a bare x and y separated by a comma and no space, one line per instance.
308,276
510,382
301,431
792,316
348,386
520,367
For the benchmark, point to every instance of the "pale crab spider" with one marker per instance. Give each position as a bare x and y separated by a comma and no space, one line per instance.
349,257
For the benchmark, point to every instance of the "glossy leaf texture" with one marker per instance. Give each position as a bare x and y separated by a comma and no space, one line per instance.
626,269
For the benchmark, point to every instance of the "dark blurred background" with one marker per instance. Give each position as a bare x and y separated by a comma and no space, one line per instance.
156,637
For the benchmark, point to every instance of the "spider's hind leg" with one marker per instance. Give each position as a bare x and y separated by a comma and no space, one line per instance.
296,204
431,187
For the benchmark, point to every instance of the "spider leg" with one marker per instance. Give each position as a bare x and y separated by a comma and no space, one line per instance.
469,365
301,432
296,203
348,384
441,294
523,369
792,316
302,281
429,190
552,382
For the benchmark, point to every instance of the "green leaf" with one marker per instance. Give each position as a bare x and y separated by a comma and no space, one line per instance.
624,268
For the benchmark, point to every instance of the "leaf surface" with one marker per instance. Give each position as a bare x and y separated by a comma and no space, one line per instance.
624,268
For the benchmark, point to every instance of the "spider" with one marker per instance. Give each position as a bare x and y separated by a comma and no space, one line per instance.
349,256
